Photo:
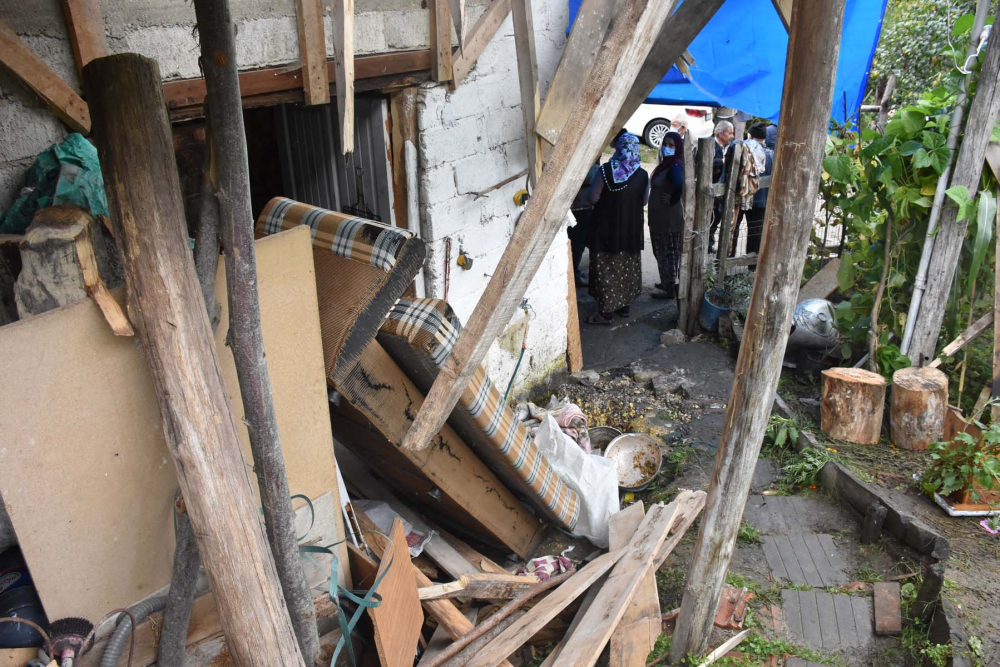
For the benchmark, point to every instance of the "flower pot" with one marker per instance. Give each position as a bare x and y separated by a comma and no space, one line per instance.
708,318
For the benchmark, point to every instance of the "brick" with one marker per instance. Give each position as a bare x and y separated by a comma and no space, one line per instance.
888,615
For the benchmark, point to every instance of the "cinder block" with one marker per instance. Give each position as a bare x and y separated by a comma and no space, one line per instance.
406,30
369,33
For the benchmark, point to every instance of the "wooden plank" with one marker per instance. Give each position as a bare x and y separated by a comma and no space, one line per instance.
26,66
862,619
85,23
827,620
725,648
398,619
577,60
689,506
478,38
704,203
574,344
585,645
995,384
823,284
640,624
966,337
845,621
312,50
623,53
521,631
527,77
993,158
479,562
343,60
185,98
457,8
784,10
440,31
482,586
403,117
813,51
98,291
888,614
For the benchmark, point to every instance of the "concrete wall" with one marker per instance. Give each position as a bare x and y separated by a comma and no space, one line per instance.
469,140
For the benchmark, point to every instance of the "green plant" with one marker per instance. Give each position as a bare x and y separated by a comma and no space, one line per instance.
747,533
660,647
965,463
867,575
802,469
937,654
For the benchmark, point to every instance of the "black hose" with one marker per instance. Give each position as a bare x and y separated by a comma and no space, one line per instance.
123,630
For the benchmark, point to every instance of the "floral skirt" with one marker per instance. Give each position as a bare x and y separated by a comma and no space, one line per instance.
667,251
615,279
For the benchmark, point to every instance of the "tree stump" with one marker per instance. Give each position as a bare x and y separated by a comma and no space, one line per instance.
919,405
852,404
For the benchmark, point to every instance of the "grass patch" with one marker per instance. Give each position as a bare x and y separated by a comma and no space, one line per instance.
757,648
867,575
748,533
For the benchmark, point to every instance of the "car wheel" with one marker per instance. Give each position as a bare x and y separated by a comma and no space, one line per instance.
655,130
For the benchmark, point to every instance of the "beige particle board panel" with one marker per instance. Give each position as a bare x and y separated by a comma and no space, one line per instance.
84,470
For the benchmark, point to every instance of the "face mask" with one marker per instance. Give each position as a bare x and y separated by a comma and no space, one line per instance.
667,151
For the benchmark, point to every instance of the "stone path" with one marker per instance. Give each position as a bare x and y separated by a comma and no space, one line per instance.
823,621
799,662
805,559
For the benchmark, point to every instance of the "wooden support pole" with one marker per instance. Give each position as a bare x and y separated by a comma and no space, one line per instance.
216,33
951,232
996,329
343,58
784,9
704,203
478,39
26,66
813,49
441,55
684,278
85,24
144,195
622,55
457,8
730,211
312,51
527,76
574,345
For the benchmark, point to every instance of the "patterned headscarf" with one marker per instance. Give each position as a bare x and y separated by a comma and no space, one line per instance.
626,158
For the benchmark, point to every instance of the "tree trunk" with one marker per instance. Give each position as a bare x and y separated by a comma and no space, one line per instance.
183,585
951,232
813,48
225,113
699,239
852,405
919,405
137,157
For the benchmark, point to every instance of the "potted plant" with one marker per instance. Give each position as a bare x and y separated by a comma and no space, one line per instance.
966,469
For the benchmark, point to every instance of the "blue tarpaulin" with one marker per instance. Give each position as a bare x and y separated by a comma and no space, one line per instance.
740,59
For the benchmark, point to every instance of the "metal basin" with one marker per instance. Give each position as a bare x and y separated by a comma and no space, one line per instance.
601,436
637,458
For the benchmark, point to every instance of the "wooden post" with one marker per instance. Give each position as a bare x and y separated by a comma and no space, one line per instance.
730,210
852,405
574,346
996,329
951,232
618,63
85,24
813,49
441,56
478,39
527,76
919,406
343,57
312,51
704,203
225,113
684,278
164,300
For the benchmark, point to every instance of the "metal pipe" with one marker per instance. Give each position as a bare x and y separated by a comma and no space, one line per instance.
920,283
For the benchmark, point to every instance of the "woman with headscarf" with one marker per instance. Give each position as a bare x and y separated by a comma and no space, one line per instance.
616,236
666,213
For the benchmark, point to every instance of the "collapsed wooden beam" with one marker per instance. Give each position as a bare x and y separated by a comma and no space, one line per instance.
813,49
441,55
312,50
32,71
135,145
527,76
343,58
478,38
85,23
622,55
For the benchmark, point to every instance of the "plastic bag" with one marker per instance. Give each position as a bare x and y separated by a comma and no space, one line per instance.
592,477
383,516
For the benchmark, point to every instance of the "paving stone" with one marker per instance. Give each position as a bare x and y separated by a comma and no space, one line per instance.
824,621
888,615
805,559
799,662
792,514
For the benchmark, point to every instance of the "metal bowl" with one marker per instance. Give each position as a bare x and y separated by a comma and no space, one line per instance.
637,458
601,436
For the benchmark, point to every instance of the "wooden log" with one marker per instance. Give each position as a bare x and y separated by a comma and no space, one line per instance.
919,405
29,69
852,404
440,31
871,528
478,39
730,209
813,49
704,203
527,77
617,65
687,238
147,213
482,586
85,23
217,38
312,51
951,232
343,58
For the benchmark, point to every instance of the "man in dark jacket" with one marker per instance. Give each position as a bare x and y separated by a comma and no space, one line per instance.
724,135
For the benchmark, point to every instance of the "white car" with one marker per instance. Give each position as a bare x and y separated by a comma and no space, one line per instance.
651,122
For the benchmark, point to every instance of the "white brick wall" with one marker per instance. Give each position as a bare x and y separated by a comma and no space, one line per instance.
470,140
